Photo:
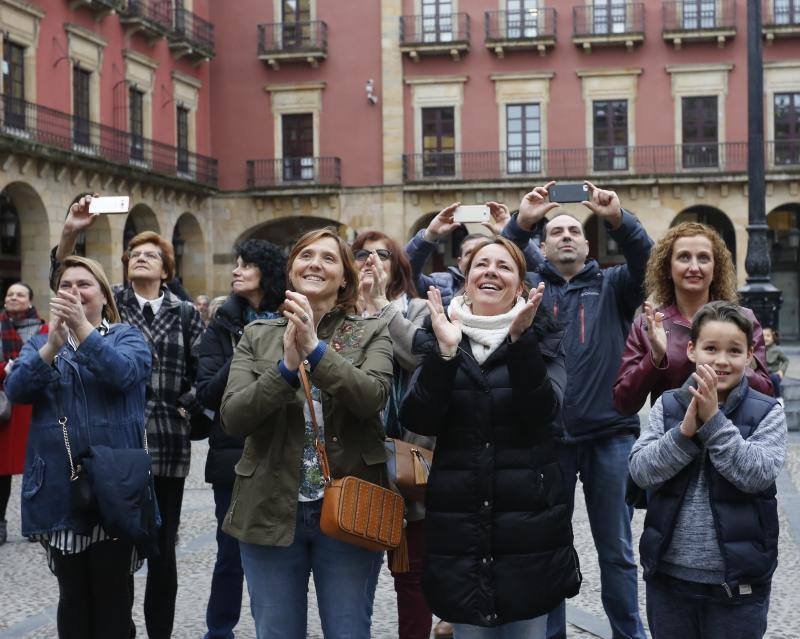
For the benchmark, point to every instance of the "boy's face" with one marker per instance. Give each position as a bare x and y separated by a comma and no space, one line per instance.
723,346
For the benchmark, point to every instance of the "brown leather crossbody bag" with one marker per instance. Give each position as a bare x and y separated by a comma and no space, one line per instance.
354,510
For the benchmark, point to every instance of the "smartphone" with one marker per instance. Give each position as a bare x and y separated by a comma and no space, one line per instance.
566,193
112,204
471,213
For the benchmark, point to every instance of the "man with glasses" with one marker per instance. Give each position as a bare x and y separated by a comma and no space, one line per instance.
170,326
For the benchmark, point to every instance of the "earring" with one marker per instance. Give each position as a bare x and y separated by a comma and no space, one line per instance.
467,300
343,286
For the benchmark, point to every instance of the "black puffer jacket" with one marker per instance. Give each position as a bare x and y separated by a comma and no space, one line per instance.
498,531
214,361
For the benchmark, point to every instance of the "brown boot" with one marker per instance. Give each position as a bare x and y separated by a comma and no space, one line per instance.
443,630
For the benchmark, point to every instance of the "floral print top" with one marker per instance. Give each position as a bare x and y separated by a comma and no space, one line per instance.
311,483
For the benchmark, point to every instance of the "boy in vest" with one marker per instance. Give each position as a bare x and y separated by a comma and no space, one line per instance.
709,458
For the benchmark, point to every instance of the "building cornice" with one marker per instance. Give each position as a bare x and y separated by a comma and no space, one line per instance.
437,79
183,78
299,86
541,75
606,71
698,68
25,7
135,56
85,34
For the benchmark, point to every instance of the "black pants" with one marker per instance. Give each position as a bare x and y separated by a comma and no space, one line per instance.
93,595
162,571
5,493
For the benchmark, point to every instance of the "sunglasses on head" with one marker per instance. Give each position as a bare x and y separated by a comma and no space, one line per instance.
362,254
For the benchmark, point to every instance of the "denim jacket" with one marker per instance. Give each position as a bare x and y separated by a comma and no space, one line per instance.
100,389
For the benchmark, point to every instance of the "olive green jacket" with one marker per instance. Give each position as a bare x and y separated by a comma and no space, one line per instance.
354,377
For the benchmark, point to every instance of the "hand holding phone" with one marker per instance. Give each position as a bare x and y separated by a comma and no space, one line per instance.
568,193
471,213
111,205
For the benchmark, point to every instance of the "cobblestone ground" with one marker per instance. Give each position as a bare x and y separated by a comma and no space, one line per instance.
28,592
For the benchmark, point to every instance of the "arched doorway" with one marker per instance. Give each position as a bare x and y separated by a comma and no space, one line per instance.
190,264
284,231
712,217
24,231
784,240
141,218
602,247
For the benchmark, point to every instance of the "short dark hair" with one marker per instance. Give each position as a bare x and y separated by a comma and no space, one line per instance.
271,261
21,283
560,214
776,337
722,311
471,238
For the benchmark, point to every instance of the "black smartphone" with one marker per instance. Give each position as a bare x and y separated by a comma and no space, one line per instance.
566,193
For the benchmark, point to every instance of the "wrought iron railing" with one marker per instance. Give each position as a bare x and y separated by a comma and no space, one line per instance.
110,4
157,13
299,171
191,28
530,24
449,28
634,161
703,15
288,37
28,122
781,13
608,20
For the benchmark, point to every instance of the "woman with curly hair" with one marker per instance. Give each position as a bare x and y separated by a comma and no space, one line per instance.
689,267
257,290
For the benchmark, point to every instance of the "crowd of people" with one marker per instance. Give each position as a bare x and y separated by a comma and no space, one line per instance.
523,368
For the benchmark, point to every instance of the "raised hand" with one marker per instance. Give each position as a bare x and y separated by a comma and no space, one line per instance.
689,425
605,204
56,338
447,331
79,217
655,333
500,217
297,309
291,356
524,318
373,280
442,224
706,392
534,206
68,307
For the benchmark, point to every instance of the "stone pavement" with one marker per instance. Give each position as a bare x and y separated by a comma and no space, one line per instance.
28,592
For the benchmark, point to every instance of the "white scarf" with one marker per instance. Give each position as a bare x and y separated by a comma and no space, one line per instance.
485,332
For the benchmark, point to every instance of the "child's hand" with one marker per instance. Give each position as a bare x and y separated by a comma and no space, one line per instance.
706,392
689,424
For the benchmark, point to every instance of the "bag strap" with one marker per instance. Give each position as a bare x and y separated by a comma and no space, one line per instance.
322,455
186,317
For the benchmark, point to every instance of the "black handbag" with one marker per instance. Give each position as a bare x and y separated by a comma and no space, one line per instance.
116,484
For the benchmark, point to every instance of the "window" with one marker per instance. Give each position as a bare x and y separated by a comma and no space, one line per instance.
183,139
80,106
522,18
296,23
787,128
786,12
438,141
437,20
610,135
609,16
523,138
298,146
14,85
699,14
136,111
700,141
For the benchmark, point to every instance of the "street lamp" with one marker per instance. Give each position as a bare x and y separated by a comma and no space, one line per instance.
758,293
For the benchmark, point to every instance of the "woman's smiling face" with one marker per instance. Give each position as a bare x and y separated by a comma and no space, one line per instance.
493,283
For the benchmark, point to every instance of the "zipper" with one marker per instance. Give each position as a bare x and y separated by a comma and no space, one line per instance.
727,590
583,326
233,508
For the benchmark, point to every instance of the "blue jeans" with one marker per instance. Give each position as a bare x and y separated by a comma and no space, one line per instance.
345,578
677,608
527,629
225,600
603,469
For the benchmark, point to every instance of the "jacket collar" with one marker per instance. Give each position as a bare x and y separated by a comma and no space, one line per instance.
586,274
129,297
672,314
735,397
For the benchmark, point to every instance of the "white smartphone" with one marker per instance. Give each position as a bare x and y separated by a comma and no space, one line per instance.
471,213
111,204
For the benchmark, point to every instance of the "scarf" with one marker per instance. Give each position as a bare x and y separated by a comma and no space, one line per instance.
485,332
12,337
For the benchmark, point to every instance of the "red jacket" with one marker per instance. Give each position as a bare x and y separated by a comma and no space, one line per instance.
638,376
14,432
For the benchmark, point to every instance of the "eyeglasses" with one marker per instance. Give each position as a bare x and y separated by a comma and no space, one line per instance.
150,256
362,254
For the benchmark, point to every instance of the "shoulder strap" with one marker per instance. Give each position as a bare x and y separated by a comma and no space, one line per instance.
187,342
322,455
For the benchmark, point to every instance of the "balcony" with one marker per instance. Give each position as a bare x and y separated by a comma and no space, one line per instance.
151,18
780,19
100,8
435,35
608,25
191,37
276,173
43,130
631,162
698,21
293,42
520,30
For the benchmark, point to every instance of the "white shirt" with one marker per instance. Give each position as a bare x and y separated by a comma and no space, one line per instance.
154,304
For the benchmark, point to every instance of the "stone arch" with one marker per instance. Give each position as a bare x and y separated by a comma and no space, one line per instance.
447,252
140,218
187,238
30,259
602,247
714,218
784,240
285,231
